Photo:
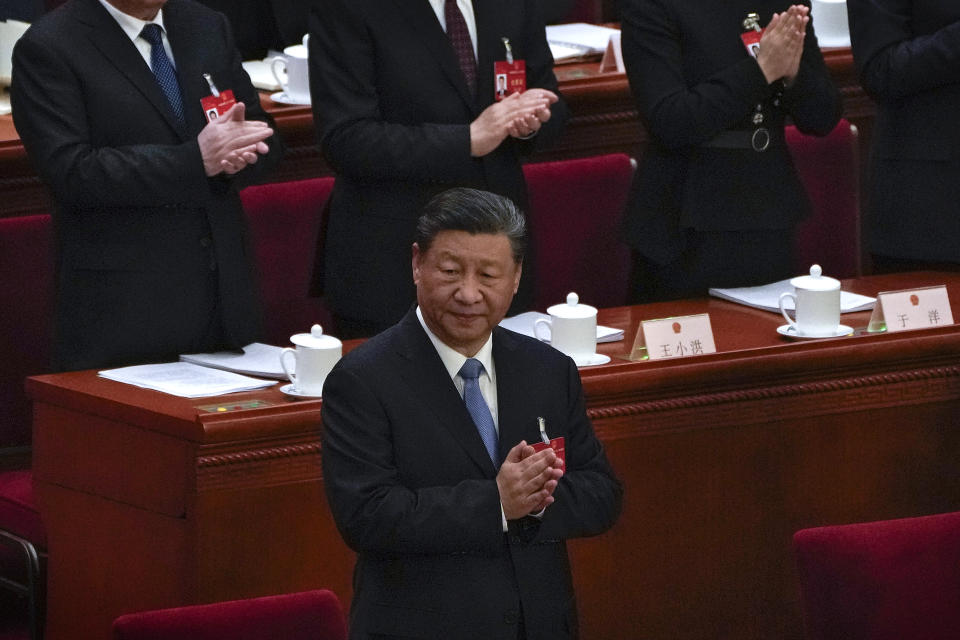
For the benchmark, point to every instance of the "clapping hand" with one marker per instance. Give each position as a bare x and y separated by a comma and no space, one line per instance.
231,143
782,44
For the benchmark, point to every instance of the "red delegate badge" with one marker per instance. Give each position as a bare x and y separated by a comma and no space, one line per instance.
509,77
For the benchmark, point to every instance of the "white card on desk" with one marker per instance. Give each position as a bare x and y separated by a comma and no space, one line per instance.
911,309
612,61
674,338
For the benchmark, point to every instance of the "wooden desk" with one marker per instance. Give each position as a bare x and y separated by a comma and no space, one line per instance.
603,120
151,503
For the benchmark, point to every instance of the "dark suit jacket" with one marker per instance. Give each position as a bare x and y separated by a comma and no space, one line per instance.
393,114
692,78
413,490
908,55
149,250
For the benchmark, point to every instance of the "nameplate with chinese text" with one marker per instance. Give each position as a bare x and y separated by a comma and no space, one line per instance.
678,337
911,309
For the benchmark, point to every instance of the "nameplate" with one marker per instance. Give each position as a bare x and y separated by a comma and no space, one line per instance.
612,61
669,338
911,309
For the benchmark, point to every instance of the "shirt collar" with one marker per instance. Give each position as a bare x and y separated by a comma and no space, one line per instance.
132,26
452,359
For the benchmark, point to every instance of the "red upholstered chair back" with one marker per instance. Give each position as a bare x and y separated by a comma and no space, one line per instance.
286,220
887,580
26,306
585,11
829,168
308,615
575,212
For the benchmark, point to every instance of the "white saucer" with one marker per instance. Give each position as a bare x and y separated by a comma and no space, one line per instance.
282,98
790,332
292,391
591,360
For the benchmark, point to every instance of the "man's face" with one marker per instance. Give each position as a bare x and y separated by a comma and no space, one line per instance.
465,284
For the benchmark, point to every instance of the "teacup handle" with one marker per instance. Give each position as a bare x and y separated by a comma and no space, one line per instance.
540,322
790,321
286,369
273,69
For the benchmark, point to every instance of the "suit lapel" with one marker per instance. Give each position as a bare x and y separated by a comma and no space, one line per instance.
421,17
489,48
426,377
107,36
512,393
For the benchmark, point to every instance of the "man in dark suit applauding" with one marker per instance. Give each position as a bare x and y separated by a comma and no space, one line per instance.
152,256
459,525
405,103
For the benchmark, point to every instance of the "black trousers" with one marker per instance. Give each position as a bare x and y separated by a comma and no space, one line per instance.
716,259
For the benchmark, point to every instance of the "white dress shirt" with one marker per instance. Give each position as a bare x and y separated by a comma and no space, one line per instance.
133,26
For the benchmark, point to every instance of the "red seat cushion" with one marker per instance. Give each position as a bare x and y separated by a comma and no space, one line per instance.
885,580
308,615
18,508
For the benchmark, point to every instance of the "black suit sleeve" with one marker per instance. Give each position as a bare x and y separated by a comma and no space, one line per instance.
812,100
589,496
893,61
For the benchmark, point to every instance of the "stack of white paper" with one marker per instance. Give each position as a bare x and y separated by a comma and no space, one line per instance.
257,359
523,323
588,37
185,379
767,297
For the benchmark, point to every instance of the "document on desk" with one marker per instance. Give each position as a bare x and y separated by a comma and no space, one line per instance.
590,37
185,379
256,359
767,297
523,323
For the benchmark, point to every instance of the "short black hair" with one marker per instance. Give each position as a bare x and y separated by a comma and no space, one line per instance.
473,211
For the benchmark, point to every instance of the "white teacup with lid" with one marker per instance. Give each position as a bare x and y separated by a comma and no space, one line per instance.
572,328
295,77
817,304
314,358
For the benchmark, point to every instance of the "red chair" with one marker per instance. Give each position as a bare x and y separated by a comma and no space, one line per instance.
286,222
26,293
575,211
829,169
307,615
886,580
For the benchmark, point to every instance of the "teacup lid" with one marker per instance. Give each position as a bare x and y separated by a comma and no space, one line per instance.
572,308
816,281
296,51
315,339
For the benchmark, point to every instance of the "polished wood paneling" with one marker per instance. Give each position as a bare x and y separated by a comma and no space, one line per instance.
150,502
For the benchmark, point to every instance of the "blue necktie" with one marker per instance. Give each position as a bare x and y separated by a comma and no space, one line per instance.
477,406
163,70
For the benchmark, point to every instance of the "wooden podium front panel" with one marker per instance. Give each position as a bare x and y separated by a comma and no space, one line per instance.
151,503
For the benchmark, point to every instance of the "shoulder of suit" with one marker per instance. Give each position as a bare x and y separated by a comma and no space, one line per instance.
529,348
